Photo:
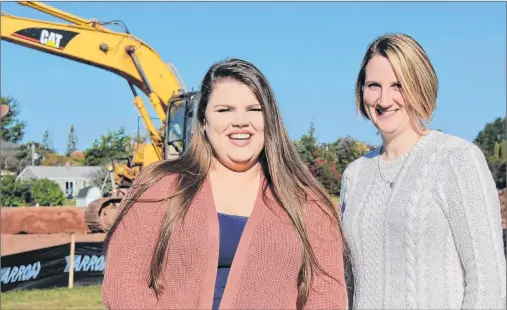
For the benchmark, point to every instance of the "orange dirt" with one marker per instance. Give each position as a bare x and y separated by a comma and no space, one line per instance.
30,228
43,220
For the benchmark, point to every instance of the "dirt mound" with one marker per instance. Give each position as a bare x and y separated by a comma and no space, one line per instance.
501,195
43,220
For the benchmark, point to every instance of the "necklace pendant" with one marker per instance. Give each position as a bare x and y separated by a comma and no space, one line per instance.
391,185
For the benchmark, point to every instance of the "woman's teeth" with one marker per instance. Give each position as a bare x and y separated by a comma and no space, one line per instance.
240,136
386,113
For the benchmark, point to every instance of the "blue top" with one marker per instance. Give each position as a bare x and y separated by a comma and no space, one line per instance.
231,229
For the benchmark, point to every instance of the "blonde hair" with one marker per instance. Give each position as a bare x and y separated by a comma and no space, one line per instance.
419,82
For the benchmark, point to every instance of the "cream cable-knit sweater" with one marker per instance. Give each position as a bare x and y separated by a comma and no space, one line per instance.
433,241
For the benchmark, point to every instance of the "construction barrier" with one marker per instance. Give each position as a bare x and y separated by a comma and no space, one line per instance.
49,267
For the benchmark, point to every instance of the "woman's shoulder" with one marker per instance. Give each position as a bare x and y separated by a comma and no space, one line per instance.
453,146
161,187
153,189
359,162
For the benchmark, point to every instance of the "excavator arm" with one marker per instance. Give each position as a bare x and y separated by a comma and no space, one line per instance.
90,42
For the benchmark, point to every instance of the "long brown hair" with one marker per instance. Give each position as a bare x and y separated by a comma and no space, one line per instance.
289,180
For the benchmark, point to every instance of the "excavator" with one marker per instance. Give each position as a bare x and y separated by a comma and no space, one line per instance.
92,42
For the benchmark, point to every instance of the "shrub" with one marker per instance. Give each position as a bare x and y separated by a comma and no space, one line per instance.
14,193
47,193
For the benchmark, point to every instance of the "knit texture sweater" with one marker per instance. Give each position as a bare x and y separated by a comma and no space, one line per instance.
264,271
433,240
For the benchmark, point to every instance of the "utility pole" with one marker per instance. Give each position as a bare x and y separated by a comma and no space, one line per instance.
34,154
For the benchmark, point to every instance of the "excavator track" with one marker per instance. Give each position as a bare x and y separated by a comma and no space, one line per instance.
100,214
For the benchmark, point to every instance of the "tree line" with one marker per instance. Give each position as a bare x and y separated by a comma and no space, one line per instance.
327,161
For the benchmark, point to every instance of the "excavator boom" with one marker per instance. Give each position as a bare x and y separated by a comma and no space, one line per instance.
76,20
120,53
91,42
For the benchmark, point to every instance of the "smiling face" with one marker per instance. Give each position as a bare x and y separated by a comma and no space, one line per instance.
234,125
382,97
396,88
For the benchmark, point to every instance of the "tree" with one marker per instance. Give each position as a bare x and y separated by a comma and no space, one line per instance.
77,158
47,142
71,141
325,172
8,159
104,149
492,141
347,150
24,154
100,176
307,145
320,160
497,163
492,133
47,193
53,159
14,193
11,128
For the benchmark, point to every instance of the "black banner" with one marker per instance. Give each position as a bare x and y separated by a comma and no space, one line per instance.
49,267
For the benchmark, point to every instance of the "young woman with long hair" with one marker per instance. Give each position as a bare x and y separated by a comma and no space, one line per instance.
236,222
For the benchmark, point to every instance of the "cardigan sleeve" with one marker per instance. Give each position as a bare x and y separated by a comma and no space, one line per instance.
328,290
125,284
345,189
473,210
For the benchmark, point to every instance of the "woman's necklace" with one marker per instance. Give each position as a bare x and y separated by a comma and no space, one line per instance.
392,183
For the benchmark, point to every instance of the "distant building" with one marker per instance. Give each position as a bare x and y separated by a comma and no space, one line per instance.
71,179
88,194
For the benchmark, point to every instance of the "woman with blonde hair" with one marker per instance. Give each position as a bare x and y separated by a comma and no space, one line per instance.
236,222
420,213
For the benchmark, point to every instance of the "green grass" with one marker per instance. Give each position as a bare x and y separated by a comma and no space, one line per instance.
336,199
81,297
69,202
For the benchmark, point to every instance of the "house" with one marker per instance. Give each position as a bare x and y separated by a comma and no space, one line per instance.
71,179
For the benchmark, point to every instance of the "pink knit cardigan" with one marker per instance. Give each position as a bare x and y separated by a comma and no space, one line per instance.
264,272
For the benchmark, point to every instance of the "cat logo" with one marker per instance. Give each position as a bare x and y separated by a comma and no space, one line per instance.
53,38
50,38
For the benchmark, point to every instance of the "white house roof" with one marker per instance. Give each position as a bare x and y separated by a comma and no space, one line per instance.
59,172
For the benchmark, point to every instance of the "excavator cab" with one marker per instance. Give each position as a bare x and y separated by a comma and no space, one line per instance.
180,123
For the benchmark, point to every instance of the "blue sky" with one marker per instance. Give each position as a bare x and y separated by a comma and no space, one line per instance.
310,52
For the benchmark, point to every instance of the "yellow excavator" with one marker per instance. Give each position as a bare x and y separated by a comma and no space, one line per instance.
91,42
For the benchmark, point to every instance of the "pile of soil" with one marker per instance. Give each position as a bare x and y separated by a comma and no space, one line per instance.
43,220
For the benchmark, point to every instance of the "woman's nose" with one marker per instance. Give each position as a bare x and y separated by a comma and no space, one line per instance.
240,119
